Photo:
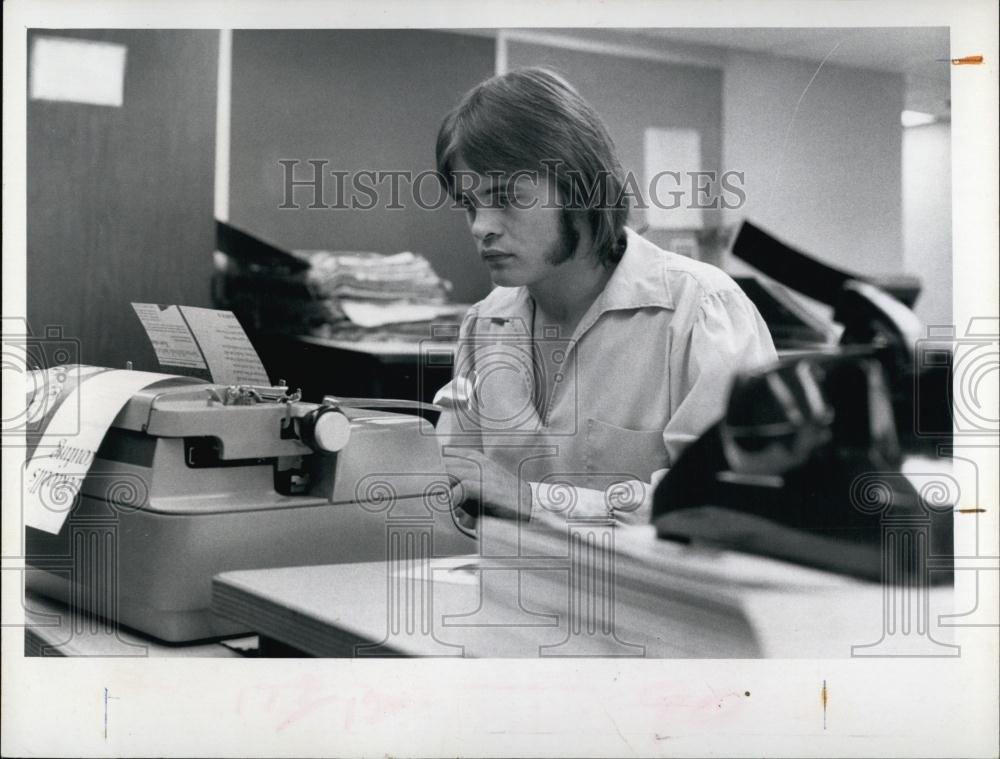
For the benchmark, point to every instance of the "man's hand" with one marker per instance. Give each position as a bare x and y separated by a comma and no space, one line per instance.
481,486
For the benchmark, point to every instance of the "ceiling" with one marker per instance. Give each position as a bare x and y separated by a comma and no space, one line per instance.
905,50
913,52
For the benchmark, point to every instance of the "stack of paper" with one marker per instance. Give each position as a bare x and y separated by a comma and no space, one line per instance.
345,295
375,276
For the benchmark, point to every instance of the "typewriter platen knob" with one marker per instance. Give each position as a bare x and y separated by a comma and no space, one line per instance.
325,429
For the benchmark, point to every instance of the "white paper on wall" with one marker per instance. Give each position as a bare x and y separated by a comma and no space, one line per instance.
677,151
77,71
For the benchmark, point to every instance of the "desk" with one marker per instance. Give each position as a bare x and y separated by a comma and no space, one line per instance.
402,369
52,629
589,591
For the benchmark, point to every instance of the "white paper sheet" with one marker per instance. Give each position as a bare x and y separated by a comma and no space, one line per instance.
365,314
231,357
60,462
170,335
199,338
46,388
78,71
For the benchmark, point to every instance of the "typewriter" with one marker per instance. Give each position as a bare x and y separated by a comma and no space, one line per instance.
194,478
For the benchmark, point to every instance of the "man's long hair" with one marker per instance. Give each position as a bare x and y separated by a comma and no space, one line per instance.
532,119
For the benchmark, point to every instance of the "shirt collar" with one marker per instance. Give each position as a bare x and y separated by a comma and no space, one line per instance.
638,281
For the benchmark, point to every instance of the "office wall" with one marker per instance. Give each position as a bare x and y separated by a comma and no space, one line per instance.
120,199
361,100
927,217
822,159
633,94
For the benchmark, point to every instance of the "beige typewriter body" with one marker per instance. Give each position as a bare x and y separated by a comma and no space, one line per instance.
195,479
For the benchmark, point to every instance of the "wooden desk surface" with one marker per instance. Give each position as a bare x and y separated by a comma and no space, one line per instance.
534,596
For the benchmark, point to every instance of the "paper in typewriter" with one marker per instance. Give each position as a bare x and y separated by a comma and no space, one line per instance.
76,406
192,338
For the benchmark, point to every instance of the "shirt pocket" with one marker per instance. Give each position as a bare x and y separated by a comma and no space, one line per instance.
623,453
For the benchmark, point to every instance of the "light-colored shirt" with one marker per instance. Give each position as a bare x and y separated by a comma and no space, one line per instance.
646,371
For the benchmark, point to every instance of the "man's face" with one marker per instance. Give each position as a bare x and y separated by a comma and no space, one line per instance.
521,233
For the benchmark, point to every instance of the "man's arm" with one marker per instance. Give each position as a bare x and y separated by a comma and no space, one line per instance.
627,502
480,485
728,336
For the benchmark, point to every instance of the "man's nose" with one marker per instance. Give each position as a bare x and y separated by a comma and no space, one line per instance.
487,224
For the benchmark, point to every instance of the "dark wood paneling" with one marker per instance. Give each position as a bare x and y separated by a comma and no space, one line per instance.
359,99
120,200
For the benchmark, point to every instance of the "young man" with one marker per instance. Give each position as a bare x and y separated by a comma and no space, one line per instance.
598,356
